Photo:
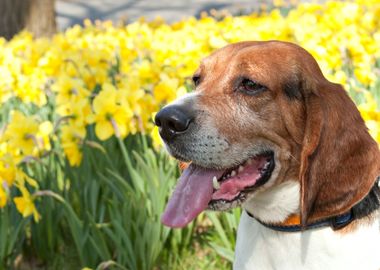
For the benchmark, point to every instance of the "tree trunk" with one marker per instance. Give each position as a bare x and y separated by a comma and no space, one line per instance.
36,16
41,19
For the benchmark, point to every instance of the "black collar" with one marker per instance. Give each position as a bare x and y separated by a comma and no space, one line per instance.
365,207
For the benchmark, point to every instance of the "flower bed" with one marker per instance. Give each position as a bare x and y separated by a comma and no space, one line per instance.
93,88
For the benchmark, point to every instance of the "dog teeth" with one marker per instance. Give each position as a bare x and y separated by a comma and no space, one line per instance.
249,161
233,173
240,169
215,183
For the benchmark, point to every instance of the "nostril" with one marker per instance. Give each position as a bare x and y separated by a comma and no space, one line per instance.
178,125
172,125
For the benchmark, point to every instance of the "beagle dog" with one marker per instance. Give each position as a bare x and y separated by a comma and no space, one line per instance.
266,131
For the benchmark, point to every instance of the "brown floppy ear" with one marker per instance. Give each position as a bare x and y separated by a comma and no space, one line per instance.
339,159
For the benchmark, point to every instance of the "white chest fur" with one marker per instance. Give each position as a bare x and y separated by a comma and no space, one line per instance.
260,248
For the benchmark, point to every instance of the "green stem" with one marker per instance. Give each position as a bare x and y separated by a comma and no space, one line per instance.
144,142
75,223
126,157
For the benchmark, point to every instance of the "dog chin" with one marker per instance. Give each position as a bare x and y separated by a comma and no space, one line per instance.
178,155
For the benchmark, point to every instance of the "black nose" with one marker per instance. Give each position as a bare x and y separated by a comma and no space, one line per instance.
172,120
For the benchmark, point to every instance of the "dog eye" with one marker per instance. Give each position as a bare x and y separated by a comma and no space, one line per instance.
250,87
196,79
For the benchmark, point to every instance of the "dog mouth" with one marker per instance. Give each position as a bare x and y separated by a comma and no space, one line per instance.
205,188
236,183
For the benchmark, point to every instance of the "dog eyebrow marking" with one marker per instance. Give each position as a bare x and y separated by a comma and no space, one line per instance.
292,89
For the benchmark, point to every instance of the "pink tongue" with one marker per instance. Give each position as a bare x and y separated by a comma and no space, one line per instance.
191,196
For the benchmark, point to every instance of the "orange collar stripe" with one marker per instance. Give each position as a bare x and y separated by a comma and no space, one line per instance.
292,220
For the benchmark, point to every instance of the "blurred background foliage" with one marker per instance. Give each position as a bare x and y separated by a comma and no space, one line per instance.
83,176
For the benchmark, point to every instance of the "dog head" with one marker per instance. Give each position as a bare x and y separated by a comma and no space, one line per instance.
262,113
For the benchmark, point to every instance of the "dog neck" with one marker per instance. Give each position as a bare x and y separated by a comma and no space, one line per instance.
262,248
276,204
278,208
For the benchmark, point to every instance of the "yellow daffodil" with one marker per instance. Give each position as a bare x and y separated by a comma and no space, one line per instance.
7,170
26,137
25,204
21,134
166,89
365,75
109,116
69,90
72,140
